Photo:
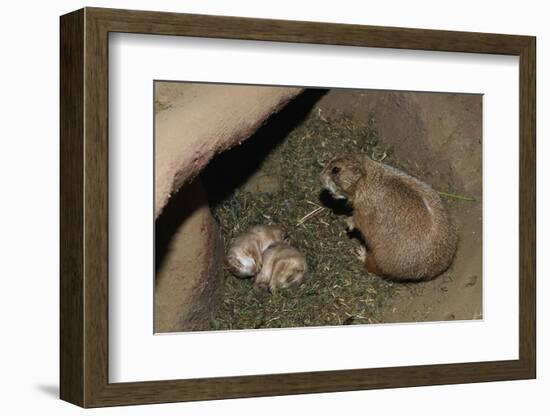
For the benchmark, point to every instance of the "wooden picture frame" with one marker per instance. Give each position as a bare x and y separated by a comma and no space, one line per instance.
84,207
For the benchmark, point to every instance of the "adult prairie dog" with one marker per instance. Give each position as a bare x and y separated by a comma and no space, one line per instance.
405,225
245,254
283,267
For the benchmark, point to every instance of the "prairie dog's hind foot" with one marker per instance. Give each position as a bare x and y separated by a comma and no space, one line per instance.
372,266
368,260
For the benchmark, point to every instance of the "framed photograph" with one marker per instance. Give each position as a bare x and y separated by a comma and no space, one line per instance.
256,207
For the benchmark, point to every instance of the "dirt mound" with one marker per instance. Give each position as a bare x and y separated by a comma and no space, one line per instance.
436,137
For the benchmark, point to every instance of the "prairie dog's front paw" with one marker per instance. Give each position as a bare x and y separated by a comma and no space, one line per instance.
361,253
350,224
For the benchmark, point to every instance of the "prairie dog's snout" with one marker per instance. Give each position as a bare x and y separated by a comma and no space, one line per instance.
340,177
244,257
283,266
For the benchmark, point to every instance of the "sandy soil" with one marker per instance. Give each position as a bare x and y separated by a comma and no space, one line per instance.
436,137
273,176
193,122
188,262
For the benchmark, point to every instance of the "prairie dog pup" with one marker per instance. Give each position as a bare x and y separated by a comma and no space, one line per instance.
283,266
406,227
245,254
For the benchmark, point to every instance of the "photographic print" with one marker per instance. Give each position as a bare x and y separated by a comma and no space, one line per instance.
313,207
347,213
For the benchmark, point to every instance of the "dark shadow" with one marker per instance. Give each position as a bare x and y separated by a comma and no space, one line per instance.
341,207
338,206
51,390
180,207
232,168
355,234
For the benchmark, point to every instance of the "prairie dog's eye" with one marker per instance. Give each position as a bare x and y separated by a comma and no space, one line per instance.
335,170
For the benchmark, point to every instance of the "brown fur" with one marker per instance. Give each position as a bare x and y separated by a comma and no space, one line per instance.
283,267
245,255
404,222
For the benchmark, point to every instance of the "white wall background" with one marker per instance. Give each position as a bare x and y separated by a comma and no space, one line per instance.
29,210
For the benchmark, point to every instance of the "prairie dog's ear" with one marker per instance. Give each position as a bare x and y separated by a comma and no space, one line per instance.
280,268
345,174
358,163
357,170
